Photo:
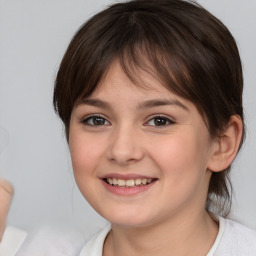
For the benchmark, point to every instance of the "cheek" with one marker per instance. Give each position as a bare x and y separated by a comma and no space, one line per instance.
173,151
180,157
182,161
85,153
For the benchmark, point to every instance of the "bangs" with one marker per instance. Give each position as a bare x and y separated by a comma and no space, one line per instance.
147,58
140,49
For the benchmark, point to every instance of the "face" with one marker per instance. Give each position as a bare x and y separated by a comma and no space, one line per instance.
139,154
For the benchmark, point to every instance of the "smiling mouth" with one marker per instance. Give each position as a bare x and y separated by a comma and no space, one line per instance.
128,183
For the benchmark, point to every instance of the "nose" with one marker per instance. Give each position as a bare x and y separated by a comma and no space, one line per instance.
125,146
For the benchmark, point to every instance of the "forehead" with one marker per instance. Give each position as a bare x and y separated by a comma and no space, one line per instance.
140,82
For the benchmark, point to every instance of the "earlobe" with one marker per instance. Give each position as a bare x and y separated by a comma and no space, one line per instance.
226,146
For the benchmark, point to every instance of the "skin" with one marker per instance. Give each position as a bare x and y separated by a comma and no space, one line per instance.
6,193
169,218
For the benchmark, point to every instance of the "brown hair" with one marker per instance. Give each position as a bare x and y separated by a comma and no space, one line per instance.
179,42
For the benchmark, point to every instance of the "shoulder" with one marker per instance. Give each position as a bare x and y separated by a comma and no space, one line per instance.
95,245
237,240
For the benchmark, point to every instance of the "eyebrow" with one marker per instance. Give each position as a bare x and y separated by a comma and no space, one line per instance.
157,102
143,105
96,103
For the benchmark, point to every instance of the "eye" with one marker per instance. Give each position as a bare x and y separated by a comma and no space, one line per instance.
95,120
160,121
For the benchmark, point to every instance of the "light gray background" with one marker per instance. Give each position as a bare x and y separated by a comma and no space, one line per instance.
33,37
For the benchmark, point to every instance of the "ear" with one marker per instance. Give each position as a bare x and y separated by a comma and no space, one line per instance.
225,147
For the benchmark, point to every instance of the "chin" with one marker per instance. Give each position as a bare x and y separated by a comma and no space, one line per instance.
128,219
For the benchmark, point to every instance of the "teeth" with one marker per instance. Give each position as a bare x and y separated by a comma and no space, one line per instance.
138,182
128,183
120,183
144,181
110,181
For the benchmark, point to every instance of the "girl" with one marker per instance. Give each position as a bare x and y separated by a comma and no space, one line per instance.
150,93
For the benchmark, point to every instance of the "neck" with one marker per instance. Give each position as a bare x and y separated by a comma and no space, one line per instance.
194,236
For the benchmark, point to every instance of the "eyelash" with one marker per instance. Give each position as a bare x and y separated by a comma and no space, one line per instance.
93,117
167,121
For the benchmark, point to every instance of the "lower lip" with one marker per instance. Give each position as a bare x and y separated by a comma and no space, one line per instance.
127,191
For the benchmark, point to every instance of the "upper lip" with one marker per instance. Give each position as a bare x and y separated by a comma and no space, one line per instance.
126,176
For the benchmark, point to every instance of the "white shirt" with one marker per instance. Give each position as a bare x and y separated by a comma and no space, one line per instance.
11,241
53,241
233,239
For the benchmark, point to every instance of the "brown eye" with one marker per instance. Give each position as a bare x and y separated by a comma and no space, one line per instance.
160,121
98,121
95,121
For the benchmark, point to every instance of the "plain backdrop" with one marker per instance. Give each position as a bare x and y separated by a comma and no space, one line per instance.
33,37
